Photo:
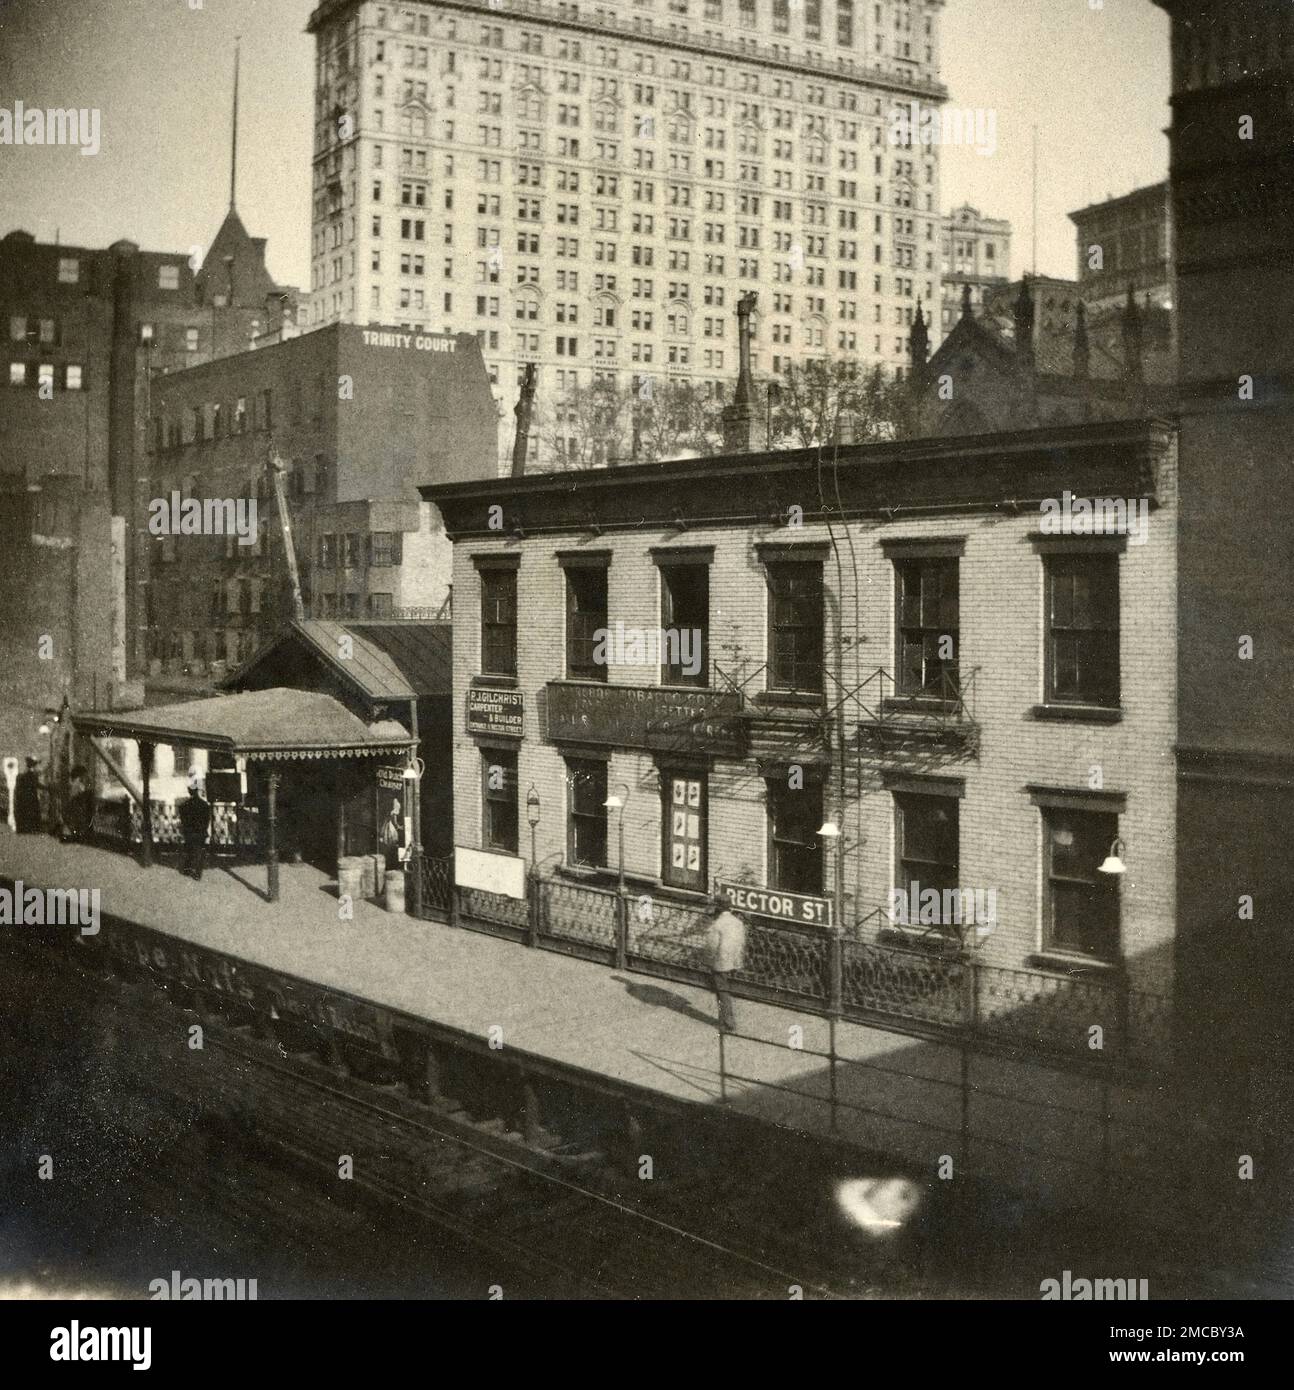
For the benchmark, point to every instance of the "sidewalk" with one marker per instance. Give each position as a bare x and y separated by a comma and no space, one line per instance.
635,1029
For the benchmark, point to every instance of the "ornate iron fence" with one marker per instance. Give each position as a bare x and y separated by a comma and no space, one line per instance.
492,912
668,939
947,990
924,986
578,919
785,962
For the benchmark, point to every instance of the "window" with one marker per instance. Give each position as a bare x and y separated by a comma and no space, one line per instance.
499,622
1081,910
168,277
190,340
69,270
926,626
685,616
499,799
387,547
795,625
926,840
586,614
794,847
683,829
586,824
379,605
1082,659
17,374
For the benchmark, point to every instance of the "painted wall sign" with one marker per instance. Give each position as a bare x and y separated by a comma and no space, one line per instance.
646,717
488,872
420,342
495,711
798,908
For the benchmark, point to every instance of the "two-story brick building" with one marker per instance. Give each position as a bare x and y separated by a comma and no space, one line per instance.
888,658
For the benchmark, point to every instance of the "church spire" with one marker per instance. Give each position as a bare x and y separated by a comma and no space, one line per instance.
233,153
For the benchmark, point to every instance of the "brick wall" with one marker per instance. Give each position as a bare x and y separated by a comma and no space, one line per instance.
1001,640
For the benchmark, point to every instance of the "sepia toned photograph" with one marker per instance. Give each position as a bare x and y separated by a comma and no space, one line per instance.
647,655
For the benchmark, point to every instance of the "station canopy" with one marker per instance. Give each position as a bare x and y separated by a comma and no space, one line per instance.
276,724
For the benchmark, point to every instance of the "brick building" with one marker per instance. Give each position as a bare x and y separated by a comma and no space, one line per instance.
891,645
84,328
1233,208
590,187
1122,242
360,418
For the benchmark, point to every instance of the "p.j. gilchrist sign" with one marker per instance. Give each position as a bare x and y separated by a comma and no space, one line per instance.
677,721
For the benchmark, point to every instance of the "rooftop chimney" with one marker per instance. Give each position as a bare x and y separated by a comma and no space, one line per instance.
738,418
522,410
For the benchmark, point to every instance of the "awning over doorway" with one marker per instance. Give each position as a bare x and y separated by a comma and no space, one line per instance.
276,724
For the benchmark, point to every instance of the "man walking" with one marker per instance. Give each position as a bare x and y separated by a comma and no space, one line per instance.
26,800
726,942
195,820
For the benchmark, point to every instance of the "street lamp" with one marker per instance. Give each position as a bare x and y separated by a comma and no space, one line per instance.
532,816
50,727
412,775
1114,860
830,831
617,803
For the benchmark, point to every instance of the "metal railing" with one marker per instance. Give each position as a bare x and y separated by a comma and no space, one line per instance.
948,991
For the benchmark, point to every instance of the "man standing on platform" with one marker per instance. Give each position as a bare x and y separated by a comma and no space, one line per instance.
195,820
727,947
26,799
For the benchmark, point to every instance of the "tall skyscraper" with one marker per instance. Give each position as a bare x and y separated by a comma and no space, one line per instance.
592,187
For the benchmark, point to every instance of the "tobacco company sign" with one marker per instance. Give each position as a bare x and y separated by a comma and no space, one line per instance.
798,908
700,721
492,711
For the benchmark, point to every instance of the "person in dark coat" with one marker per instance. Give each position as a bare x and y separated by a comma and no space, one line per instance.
79,819
195,821
26,800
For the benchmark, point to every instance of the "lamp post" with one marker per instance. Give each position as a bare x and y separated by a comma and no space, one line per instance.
49,727
413,815
532,818
1114,866
618,803
831,831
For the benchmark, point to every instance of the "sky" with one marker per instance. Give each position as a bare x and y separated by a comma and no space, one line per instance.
1093,80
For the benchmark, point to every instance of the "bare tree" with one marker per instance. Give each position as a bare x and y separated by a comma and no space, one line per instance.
820,402
674,419
588,427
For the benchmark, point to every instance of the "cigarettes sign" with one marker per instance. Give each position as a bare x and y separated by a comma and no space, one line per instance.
797,908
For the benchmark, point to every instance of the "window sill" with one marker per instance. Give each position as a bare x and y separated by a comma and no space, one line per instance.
797,698
918,704
1062,964
634,883
495,682
1079,714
